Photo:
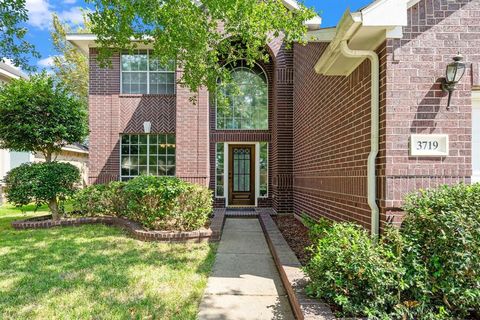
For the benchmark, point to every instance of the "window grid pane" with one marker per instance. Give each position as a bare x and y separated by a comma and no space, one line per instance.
219,169
263,169
244,104
147,154
142,74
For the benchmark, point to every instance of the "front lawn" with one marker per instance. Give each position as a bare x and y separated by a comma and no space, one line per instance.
97,272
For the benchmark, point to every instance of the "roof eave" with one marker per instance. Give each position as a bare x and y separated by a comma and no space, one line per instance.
364,30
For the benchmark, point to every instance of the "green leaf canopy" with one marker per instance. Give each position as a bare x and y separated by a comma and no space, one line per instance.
200,35
40,115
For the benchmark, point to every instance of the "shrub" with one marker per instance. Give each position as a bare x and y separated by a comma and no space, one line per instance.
349,270
159,203
441,234
41,183
167,203
101,199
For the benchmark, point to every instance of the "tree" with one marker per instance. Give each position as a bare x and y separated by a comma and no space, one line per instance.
200,35
40,115
12,34
70,65
42,183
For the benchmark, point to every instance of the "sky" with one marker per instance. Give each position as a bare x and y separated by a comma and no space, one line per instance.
40,12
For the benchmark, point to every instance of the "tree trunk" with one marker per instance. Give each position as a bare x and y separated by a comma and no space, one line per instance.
48,157
54,209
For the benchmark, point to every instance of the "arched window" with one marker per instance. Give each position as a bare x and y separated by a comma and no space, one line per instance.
243,105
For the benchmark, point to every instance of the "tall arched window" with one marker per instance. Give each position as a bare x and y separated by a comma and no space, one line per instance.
243,105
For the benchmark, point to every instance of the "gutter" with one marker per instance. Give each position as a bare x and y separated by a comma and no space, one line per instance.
374,132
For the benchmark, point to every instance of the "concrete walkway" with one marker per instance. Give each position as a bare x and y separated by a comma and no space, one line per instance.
245,283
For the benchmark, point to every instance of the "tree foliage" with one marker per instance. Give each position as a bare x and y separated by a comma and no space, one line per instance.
12,34
200,35
40,115
41,183
70,66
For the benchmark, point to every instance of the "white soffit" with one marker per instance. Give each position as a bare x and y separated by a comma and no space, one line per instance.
321,35
385,13
364,30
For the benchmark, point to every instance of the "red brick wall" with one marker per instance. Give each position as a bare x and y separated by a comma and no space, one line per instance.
331,135
104,118
112,114
192,153
279,135
331,117
415,103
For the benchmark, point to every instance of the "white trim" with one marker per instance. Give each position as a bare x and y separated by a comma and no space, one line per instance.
8,74
148,71
322,35
268,170
120,176
74,150
257,171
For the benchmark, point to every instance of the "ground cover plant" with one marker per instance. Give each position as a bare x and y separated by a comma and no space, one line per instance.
96,272
428,269
158,203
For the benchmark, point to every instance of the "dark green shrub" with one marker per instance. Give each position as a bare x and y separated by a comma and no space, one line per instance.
101,199
41,183
350,271
441,234
167,203
158,203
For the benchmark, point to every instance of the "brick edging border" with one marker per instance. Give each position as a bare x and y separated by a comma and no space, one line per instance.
293,278
212,234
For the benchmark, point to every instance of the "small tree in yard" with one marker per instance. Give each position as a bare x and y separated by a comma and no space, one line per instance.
40,115
42,183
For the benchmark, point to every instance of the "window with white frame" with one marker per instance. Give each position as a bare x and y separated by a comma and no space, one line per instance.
142,74
243,103
147,154
220,170
263,169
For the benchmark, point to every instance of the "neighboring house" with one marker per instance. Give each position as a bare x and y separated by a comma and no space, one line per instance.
302,138
76,154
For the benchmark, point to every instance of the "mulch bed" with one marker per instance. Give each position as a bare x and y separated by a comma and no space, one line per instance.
296,235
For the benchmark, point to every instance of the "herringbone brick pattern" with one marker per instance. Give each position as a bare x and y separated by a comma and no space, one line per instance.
160,110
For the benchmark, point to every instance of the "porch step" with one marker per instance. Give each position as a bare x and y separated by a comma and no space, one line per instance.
241,212
248,212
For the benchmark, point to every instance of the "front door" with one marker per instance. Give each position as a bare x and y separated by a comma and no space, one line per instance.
241,175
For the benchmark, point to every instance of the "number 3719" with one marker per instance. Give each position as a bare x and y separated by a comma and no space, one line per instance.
427,145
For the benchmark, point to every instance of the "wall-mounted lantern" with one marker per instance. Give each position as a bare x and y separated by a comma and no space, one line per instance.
454,73
147,126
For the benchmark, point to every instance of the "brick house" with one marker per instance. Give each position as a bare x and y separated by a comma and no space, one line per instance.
301,136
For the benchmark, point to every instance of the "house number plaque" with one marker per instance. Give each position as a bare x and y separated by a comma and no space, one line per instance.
429,145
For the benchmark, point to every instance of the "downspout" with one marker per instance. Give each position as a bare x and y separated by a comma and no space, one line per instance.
374,132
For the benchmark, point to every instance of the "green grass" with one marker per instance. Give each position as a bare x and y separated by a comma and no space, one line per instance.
96,272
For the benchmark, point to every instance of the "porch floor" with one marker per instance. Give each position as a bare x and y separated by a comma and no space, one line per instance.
245,283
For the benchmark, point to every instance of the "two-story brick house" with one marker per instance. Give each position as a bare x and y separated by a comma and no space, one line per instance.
302,135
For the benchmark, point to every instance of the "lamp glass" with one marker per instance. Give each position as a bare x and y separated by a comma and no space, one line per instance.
460,71
451,72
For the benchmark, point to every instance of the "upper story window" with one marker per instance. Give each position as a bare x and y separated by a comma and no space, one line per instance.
244,103
142,74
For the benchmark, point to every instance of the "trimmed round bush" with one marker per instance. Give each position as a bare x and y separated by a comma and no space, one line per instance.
349,270
441,234
158,203
41,183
